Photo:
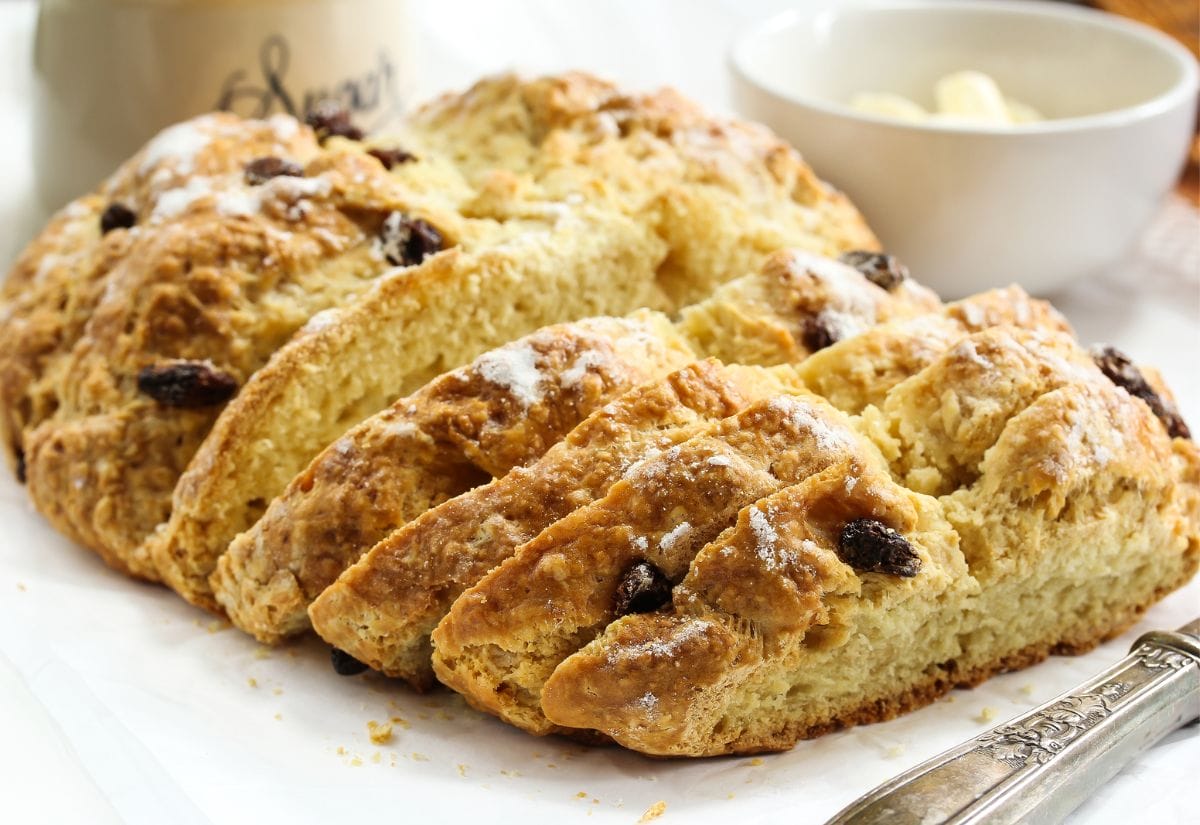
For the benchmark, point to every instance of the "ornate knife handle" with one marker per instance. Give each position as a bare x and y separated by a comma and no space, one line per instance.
1048,761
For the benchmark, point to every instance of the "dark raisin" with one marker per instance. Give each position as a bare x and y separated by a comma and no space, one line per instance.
186,384
643,588
1125,374
406,241
871,546
20,465
882,270
391,157
261,170
116,216
344,664
817,335
328,118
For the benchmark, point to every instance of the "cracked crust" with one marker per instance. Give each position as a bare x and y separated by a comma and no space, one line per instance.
218,270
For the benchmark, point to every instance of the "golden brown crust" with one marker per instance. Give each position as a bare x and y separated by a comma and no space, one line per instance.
382,610
499,412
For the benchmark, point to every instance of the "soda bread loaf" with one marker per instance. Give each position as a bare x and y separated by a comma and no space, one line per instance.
382,609
316,524
698,489
847,574
144,308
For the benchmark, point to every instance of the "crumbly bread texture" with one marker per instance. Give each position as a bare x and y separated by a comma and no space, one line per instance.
480,421
382,609
1034,505
316,526
556,198
721,192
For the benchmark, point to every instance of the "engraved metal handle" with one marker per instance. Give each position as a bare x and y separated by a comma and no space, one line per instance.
1048,761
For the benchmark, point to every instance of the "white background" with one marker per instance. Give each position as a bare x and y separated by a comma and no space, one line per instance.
118,703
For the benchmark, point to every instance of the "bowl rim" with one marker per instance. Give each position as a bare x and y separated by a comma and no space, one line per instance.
1184,88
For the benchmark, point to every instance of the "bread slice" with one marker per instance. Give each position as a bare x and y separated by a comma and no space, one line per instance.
501,411
413,326
1071,510
503,637
382,609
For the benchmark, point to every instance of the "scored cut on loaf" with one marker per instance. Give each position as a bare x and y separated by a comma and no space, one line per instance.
501,411
381,611
1058,506
308,544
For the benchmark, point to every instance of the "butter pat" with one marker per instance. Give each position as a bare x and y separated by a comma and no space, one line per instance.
968,97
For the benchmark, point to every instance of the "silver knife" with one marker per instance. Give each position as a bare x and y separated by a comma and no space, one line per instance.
1041,766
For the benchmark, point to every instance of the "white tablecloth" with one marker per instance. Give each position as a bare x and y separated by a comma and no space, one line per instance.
119,703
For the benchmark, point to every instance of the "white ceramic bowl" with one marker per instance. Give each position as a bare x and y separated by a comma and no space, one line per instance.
969,207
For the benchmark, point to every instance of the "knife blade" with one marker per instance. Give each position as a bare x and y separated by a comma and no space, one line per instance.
1041,766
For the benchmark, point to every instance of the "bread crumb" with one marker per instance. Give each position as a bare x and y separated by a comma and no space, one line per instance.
397,720
262,653
252,682
216,626
341,751
21,586
279,717
419,757
730,795
462,769
653,812
1027,690
510,773
986,715
377,757
755,762
380,732
581,795
356,761
894,751
277,691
